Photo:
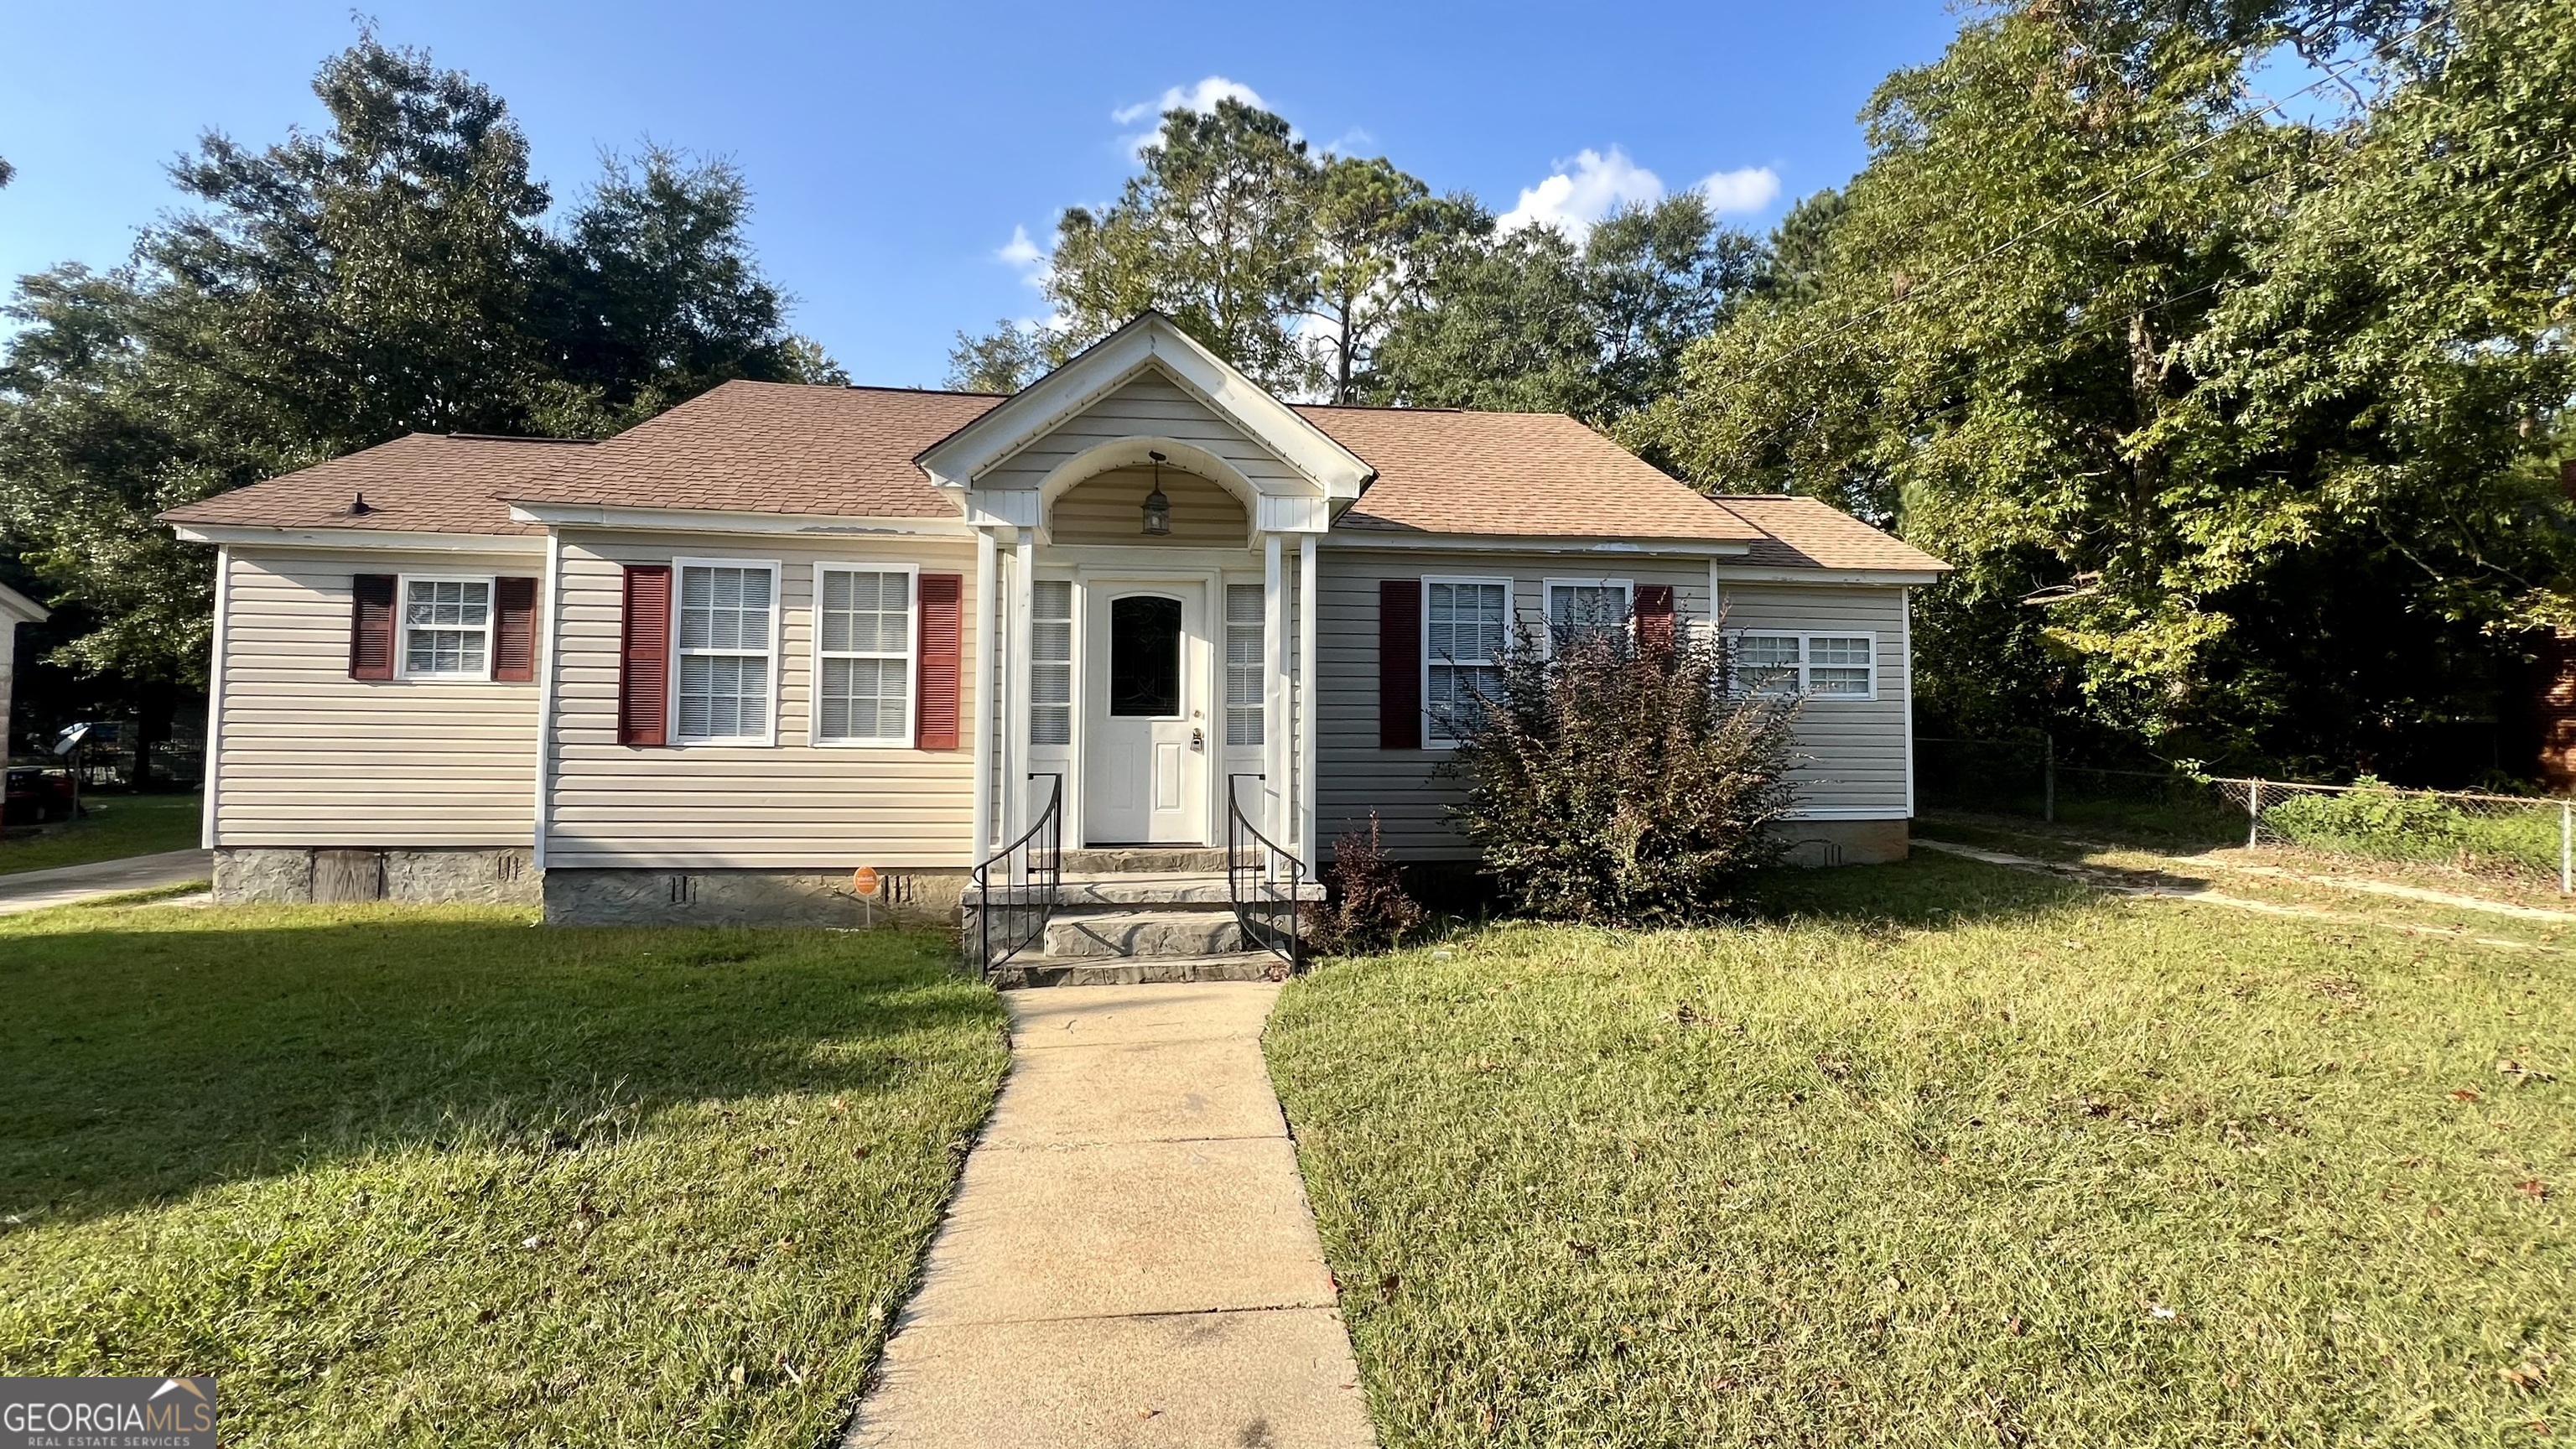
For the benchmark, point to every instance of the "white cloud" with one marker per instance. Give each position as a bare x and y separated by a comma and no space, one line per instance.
1750,188
1588,188
1201,98
1024,256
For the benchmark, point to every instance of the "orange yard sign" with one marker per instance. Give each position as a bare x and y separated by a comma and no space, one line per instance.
864,880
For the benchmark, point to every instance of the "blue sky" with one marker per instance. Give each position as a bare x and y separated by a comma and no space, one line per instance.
894,151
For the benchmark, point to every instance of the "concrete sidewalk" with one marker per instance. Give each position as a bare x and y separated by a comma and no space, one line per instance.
1130,1260
34,890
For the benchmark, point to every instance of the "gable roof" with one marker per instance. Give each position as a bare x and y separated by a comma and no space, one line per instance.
1525,475
1149,341
417,483
1804,533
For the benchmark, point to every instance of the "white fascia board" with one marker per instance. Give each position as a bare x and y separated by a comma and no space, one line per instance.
1150,340
700,520
1891,578
414,542
1535,543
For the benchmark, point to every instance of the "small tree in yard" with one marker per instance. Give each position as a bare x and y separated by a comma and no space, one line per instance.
1618,779
1370,910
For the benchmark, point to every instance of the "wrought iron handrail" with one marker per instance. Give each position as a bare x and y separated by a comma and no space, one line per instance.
1024,905
1255,867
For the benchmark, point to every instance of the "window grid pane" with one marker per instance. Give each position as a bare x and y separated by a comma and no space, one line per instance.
863,633
1768,663
1244,672
1465,628
724,652
1051,662
446,625
1571,607
1838,666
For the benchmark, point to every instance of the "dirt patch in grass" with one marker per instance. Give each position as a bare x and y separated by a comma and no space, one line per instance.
1945,1154
405,1175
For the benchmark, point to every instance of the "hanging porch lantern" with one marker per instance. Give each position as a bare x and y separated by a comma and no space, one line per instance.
1158,509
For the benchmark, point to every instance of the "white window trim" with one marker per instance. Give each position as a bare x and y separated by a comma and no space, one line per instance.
1432,739
1805,637
402,625
777,612
814,658
1547,603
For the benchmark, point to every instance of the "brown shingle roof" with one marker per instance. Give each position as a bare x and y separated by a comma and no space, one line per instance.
1803,533
774,447
1532,475
784,448
418,483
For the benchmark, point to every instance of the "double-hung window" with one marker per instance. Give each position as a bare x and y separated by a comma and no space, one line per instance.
863,655
727,651
1824,666
1580,606
446,628
1245,668
1466,624
1051,662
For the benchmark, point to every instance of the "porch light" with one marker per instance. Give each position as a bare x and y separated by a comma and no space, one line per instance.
1158,509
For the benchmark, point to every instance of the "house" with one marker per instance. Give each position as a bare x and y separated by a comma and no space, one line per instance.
706,668
15,609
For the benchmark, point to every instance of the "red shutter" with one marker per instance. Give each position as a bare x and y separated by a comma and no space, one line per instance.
514,630
1655,618
1399,664
943,616
644,658
371,626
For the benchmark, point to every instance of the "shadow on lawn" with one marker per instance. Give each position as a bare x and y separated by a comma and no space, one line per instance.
147,1062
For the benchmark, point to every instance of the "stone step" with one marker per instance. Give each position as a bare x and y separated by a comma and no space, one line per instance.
1125,932
1179,889
1152,859
1022,972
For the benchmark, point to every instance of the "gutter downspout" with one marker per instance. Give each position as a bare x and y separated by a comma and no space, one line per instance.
207,834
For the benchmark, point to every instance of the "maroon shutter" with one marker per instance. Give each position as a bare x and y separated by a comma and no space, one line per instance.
1399,664
514,630
1655,617
644,658
943,614
371,626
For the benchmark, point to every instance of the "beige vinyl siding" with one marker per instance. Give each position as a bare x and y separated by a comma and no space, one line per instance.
790,805
1149,405
1354,777
1856,749
310,757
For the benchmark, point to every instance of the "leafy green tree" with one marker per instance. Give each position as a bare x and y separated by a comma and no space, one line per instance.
1529,320
2218,471
389,273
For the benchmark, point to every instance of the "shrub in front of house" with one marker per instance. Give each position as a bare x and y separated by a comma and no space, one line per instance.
1370,909
1618,779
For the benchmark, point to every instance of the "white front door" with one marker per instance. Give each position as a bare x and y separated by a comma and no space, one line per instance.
1146,746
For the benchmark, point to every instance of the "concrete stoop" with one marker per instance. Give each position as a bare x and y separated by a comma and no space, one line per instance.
1134,917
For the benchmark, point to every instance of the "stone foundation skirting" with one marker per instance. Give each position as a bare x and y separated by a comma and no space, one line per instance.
594,897
274,875
1846,842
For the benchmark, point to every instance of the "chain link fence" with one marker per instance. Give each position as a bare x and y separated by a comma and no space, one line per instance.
2524,836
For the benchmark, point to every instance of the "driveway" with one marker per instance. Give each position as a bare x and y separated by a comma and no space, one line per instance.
34,890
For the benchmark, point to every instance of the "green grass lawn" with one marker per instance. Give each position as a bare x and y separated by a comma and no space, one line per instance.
113,826
1946,1154
416,1176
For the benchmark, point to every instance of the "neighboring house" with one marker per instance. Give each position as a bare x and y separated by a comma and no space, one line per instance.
705,668
15,609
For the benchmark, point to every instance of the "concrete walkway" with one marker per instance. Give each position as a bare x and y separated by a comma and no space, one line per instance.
1130,1260
34,890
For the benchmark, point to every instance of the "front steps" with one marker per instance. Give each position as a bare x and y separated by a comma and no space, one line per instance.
1137,916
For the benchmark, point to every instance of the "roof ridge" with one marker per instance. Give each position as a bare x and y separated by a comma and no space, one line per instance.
513,438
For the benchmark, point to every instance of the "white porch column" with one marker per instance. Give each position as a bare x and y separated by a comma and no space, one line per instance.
988,578
1274,694
1305,767
1015,779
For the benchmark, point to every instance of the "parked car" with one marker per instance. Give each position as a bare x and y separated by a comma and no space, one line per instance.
37,795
